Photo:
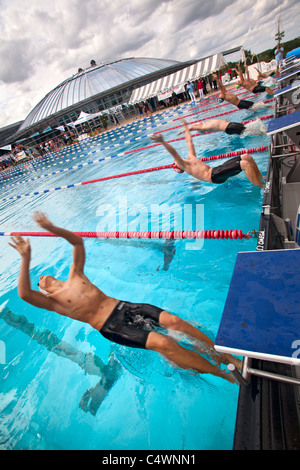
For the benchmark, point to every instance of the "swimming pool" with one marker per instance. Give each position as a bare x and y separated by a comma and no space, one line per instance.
63,386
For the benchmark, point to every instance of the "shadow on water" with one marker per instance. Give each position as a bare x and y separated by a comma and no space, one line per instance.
89,362
167,248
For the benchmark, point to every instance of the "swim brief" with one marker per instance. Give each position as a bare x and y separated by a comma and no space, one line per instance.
245,104
235,128
259,89
222,172
130,324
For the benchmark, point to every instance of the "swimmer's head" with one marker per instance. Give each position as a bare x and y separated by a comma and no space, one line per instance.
220,100
48,284
177,169
237,86
44,292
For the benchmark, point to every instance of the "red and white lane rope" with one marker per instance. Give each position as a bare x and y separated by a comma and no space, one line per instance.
175,234
131,173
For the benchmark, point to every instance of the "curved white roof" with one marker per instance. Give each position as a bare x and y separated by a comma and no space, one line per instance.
91,82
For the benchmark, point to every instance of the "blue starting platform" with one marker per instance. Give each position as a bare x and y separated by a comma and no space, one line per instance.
290,95
261,317
288,76
290,124
288,89
284,123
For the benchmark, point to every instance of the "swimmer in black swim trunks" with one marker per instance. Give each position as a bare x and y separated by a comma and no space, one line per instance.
233,99
255,127
250,84
200,170
125,323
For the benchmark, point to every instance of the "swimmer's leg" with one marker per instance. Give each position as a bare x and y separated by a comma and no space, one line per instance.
251,170
174,322
269,91
183,358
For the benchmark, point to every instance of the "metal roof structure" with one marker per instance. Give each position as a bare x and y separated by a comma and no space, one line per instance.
93,81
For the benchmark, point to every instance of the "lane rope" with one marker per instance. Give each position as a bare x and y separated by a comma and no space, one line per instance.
122,175
172,234
97,139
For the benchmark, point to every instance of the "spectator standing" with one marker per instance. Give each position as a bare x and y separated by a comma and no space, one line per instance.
190,89
200,88
278,56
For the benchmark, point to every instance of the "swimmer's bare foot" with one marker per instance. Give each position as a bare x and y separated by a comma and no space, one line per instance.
216,357
227,359
228,376
263,180
237,363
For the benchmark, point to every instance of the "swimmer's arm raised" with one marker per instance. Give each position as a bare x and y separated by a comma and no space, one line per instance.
240,73
25,292
77,242
159,139
189,140
247,72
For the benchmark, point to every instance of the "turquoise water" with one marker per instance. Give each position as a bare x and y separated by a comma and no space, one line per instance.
63,386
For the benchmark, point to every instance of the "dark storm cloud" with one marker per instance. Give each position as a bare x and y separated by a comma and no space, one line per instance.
186,13
15,59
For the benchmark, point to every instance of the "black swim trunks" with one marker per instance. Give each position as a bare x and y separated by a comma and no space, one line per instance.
130,324
222,172
259,89
245,104
235,128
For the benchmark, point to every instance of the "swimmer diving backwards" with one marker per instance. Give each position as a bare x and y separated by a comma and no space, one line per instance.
201,171
81,300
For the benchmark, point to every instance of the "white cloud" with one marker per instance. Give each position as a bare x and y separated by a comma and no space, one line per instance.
45,41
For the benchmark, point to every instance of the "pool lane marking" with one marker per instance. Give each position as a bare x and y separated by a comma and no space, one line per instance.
81,165
121,153
172,234
82,145
122,175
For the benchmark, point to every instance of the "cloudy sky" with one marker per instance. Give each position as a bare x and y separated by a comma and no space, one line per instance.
43,42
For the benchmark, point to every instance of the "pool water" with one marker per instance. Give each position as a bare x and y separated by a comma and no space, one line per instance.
63,386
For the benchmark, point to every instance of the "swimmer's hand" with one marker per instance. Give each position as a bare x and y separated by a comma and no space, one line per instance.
157,138
22,246
41,219
186,128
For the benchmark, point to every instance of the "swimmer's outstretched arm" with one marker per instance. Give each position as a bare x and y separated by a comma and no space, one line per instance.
159,139
189,141
240,73
212,125
247,72
78,247
219,83
25,292
192,127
